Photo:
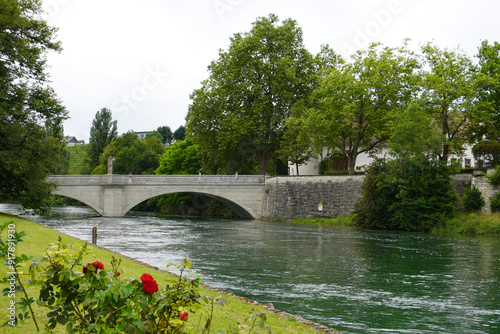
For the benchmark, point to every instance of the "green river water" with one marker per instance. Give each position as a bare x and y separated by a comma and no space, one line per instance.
354,281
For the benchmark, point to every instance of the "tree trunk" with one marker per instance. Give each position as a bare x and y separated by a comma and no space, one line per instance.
297,166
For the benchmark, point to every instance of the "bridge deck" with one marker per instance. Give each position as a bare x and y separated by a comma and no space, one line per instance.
156,179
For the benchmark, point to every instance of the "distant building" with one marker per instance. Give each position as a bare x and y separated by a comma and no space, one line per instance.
143,134
71,141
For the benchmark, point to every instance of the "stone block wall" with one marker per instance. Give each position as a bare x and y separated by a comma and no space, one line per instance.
300,196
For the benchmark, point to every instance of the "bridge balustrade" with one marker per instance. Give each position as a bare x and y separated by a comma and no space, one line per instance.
155,179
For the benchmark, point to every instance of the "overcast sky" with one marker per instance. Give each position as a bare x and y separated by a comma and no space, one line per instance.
142,59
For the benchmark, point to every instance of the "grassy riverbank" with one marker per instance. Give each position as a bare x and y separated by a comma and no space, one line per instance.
237,311
462,223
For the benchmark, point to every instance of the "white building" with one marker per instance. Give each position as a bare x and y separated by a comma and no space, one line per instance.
364,159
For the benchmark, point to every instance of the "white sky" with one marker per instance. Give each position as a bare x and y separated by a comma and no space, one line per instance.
142,59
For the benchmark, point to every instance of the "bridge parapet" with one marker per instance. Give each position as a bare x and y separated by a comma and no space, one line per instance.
155,179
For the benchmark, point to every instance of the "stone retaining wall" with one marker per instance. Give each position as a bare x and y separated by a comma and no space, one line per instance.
301,196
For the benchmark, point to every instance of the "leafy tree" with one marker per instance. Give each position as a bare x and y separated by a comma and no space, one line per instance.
30,114
180,133
355,100
249,93
132,155
413,191
102,133
166,134
489,66
181,158
451,89
296,146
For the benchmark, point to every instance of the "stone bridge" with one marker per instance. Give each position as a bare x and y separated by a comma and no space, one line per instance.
114,195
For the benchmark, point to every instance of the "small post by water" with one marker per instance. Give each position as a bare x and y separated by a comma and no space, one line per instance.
94,235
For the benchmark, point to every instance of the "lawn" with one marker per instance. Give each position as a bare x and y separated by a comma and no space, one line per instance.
237,311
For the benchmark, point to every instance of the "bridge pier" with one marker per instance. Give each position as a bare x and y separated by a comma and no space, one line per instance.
113,200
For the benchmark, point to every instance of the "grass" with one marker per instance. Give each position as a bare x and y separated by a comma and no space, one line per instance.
463,223
225,317
472,224
340,221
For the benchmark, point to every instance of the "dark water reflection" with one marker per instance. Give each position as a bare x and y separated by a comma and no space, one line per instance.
355,281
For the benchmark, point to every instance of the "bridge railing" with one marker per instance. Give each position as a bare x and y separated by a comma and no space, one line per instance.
155,179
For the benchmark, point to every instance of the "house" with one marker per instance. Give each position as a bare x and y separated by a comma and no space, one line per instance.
312,167
70,141
142,134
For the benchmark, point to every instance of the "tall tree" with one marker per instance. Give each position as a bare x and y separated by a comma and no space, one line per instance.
166,133
249,93
102,133
180,133
30,114
355,100
489,66
451,90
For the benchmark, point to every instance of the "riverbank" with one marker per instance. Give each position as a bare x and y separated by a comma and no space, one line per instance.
463,223
237,311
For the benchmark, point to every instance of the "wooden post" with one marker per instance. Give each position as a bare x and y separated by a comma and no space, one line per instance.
94,235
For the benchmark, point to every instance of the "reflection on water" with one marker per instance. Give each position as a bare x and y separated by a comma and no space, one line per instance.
355,281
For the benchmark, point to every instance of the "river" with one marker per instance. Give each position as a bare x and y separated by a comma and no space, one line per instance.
354,281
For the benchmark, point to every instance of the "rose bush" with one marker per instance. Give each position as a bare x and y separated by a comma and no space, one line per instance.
98,301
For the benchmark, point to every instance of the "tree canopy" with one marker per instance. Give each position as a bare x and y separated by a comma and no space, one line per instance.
30,114
355,100
249,93
102,133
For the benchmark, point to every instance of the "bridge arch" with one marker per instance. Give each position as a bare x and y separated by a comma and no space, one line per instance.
243,210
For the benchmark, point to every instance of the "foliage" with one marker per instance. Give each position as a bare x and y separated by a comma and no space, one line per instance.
488,152
296,147
132,155
166,134
495,203
180,133
242,106
102,133
406,194
181,158
472,199
355,100
494,178
30,114
489,84
77,155
450,98
472,224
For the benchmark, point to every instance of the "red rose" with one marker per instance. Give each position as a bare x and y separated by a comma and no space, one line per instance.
146,277
96,265
150,286
183,316
118,273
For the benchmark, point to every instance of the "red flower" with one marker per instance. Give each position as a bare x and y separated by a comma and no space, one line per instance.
118,273
183,316
96,265
146,277
150,286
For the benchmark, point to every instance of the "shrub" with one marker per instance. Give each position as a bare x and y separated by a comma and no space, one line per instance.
472,199
495,203
495,176
406,194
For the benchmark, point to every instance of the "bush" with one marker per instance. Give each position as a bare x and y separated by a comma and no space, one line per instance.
472,199
406,194
495,176
495,203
